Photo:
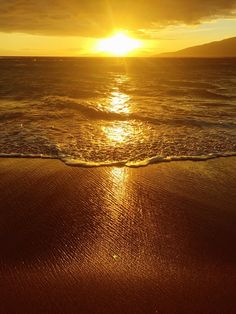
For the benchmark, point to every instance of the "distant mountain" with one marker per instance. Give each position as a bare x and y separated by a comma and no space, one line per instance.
216,49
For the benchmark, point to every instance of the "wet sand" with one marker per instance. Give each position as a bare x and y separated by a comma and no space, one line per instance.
158,239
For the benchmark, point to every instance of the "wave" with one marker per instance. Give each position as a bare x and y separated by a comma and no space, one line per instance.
199,94
207,94
85,109
91,113
123,163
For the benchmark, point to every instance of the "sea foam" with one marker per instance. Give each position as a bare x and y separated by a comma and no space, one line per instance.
122,163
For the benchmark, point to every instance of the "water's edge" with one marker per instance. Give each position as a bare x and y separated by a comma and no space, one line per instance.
130,164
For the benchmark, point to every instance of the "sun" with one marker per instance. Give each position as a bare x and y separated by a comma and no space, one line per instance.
118,45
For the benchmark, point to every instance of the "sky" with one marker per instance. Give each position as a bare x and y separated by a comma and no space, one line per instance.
76,27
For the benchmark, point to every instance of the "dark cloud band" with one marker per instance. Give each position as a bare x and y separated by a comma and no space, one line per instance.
97,18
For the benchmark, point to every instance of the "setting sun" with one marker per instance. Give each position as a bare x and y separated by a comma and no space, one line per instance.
119,45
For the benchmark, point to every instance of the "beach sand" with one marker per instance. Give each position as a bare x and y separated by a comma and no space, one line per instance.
158,239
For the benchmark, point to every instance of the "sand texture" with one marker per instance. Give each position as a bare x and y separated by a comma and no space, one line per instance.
158,239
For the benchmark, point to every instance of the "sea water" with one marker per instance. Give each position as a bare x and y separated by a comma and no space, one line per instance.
124,111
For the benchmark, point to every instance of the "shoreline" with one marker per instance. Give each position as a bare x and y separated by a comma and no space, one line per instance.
157,239
130,164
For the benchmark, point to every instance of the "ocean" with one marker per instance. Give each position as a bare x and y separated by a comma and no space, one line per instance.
117,111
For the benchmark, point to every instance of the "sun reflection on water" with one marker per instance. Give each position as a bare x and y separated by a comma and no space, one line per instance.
115,134
121,133
119,177
119,102
118,174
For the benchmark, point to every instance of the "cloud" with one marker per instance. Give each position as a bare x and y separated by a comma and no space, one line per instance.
98,18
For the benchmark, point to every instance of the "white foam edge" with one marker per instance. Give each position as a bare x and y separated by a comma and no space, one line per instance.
132,164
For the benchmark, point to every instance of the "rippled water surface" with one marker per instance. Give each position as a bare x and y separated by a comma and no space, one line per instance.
130,111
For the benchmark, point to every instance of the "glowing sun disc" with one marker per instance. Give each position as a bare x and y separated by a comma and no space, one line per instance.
119,44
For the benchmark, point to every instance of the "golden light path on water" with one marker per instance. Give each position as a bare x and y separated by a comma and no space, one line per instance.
112,224
119,102
119,177
119,134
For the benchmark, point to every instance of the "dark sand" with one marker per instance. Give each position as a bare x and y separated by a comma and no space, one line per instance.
159,239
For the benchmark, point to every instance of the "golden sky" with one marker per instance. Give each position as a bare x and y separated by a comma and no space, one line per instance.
76,27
